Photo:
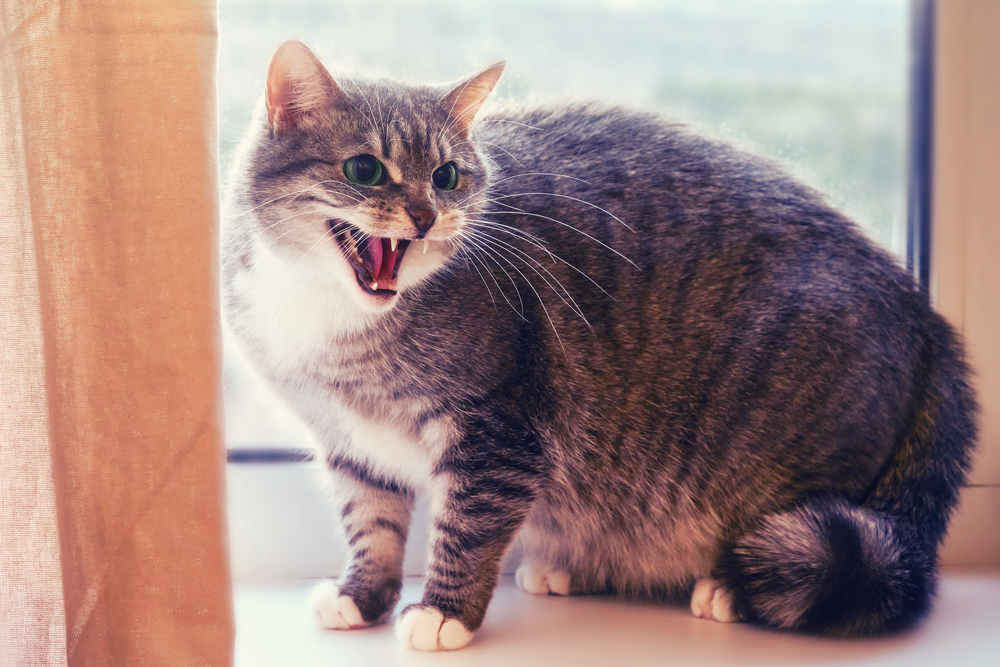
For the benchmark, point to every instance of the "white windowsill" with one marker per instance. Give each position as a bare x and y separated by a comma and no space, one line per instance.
275,628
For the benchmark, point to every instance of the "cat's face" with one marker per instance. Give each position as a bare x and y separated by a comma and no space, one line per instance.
370,184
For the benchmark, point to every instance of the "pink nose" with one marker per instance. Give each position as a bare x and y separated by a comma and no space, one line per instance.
423,219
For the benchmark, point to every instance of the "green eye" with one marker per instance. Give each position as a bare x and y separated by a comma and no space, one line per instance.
364,170
446,176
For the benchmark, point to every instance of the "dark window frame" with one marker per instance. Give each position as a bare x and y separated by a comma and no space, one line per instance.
920,156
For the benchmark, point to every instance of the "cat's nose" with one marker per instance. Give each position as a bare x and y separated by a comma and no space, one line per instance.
423,219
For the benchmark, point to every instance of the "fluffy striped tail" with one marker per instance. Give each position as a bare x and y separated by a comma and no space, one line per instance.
836,568
833,569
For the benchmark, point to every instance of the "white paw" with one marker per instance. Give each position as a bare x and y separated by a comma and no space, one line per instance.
537,581
710,600
425,629
335,611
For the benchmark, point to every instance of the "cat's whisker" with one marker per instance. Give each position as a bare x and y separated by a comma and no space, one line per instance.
467,255
371,118
317,184
512,122
519,309
541,302
469,158
490,143
366,239
499,245
474,108
297,214
524,257
485,252
451,110
264,230
361,196
525,174
557,194
272,224
518,211
506,229
449,131
348,245
360,147
536,241
349,197
259,233
294,195
485,225
378,102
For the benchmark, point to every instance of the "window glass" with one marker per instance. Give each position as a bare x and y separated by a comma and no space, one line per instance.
817,84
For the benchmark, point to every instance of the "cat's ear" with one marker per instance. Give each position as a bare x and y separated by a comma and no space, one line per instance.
463,102
298,87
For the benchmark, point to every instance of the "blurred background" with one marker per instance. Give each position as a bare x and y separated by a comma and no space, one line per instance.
820,85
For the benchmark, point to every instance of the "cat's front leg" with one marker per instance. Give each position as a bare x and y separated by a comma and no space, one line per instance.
481,494
375,517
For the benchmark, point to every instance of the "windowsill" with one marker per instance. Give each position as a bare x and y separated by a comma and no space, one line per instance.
275,628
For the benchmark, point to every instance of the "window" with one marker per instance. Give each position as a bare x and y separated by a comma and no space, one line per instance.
820,85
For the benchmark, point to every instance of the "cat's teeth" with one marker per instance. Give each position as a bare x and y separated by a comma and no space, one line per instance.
393,243
426,241
374,286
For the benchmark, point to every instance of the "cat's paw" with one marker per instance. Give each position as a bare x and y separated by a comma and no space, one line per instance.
534,579
712,601
335,611
427,629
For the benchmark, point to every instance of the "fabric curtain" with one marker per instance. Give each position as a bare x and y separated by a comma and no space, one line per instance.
112,548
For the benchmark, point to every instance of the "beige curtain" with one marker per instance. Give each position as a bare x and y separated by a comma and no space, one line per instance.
111,510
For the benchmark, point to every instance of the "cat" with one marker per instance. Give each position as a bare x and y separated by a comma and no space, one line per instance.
670,369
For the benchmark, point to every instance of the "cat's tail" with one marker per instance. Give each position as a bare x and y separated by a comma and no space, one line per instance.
835,568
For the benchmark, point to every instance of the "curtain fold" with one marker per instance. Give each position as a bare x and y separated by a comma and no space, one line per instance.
111,478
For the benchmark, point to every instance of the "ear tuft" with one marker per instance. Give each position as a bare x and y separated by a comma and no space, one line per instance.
464,101
298,87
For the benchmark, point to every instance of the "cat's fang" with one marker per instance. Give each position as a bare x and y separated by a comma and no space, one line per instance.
426,241
393,243
374,286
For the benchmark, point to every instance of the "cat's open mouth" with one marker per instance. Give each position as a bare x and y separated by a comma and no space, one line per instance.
375,260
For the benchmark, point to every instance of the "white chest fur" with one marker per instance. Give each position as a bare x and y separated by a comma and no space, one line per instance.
292,308
388,450
292,312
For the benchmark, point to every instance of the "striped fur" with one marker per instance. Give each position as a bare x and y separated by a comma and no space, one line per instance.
655,359
375,517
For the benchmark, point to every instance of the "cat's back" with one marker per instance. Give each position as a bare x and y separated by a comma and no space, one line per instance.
644,185
659,219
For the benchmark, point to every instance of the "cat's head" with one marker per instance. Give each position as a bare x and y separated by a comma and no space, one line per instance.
369,183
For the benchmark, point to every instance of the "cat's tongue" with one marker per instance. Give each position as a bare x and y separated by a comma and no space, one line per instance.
380,260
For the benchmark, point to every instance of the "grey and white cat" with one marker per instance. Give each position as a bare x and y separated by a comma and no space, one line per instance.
670,368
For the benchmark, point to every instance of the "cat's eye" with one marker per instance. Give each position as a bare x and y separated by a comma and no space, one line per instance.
446,176
364,170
